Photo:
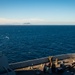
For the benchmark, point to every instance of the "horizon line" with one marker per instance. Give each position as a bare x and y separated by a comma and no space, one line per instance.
38,25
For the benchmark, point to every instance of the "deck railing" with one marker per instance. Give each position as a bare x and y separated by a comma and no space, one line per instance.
39,61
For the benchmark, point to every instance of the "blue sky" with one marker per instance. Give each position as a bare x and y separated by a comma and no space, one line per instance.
37,12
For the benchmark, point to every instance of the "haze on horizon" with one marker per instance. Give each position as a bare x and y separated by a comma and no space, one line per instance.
37,12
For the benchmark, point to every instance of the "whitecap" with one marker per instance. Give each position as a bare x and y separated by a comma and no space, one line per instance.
6,37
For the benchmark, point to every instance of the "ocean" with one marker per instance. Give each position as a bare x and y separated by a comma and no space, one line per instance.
20,43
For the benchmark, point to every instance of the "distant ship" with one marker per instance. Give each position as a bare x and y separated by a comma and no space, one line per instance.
27,23
53,65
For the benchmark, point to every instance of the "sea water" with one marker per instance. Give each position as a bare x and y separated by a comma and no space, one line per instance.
20,43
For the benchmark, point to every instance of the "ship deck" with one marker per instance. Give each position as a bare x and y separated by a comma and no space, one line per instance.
38,69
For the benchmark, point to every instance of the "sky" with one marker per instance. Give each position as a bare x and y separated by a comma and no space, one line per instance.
37,12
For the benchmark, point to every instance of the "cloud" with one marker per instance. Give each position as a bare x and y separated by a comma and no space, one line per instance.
21,21
34,21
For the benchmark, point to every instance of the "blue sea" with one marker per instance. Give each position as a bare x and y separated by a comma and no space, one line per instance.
20,43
